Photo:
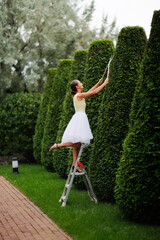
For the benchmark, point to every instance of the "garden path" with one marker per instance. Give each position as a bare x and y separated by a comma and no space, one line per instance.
20,219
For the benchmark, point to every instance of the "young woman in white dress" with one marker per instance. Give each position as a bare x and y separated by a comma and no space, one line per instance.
78,130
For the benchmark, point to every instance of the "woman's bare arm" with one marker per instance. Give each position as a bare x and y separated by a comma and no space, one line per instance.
90,93
96,85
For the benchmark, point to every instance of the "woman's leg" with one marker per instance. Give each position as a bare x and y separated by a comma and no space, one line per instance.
68,144
75,154
75,146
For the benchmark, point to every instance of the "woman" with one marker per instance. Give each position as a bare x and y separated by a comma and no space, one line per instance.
78,130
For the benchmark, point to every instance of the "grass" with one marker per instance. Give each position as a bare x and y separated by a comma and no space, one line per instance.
81,218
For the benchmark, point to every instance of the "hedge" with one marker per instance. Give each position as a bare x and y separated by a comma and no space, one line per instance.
18,115
42,115
54,111
138,179
99,54
60,156
114,111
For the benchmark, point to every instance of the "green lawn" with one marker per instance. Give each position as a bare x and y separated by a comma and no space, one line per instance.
81,218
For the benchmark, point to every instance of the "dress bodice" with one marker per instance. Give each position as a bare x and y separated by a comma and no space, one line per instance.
80,106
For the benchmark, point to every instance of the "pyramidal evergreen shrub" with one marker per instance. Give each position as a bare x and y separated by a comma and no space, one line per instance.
99,54
114,111
138,178
42,115
60,156
54,111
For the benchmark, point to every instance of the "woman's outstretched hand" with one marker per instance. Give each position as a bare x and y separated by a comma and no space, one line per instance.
106,81
101,80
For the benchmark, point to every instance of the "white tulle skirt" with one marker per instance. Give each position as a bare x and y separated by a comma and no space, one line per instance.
78,129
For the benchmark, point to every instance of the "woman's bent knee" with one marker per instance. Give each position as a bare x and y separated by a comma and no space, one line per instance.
77,145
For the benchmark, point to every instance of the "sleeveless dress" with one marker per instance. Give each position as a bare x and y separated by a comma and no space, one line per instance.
78,129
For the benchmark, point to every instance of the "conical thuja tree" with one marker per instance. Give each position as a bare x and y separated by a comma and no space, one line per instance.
54,111
42,115
99,54
138,178
60,156
114,111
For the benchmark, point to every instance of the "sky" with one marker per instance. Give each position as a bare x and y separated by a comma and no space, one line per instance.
126,12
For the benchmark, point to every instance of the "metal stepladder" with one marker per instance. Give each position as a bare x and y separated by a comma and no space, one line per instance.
72,173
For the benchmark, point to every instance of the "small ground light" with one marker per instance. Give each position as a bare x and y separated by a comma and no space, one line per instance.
15,165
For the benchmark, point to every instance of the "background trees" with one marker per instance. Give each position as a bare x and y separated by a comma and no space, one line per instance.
34,35
18,115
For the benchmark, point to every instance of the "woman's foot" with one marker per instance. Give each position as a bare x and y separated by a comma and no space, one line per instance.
79,170
54,146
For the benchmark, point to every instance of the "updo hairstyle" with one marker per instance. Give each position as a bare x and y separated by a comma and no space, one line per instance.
73,85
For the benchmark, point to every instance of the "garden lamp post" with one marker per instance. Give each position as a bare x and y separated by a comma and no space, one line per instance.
15,165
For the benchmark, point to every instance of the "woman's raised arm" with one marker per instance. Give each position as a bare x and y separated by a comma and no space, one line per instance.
92,92
96,85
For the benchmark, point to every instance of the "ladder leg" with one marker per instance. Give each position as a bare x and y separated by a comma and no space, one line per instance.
67,182
89,188
68,188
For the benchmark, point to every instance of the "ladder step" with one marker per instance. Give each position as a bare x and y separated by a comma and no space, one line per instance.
78,173
67,185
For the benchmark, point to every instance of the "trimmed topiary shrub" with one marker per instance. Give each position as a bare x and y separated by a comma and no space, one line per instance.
42,115
54,111
114,111
99,54
60,156
18,115
138,179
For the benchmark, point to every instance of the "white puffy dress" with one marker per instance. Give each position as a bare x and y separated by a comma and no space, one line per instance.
78,129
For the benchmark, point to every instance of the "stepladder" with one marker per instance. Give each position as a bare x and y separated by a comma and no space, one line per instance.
74,172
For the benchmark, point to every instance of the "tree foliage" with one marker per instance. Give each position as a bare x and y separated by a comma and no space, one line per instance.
138,177
99,54
114,111
112,30
54,111
60,156
18,115
34,35
39,129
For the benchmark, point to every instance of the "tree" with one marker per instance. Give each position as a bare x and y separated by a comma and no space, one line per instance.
99,54
39,129
60,156
18,114
108,30
114,111
35,35
138,176
54,111
10,40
